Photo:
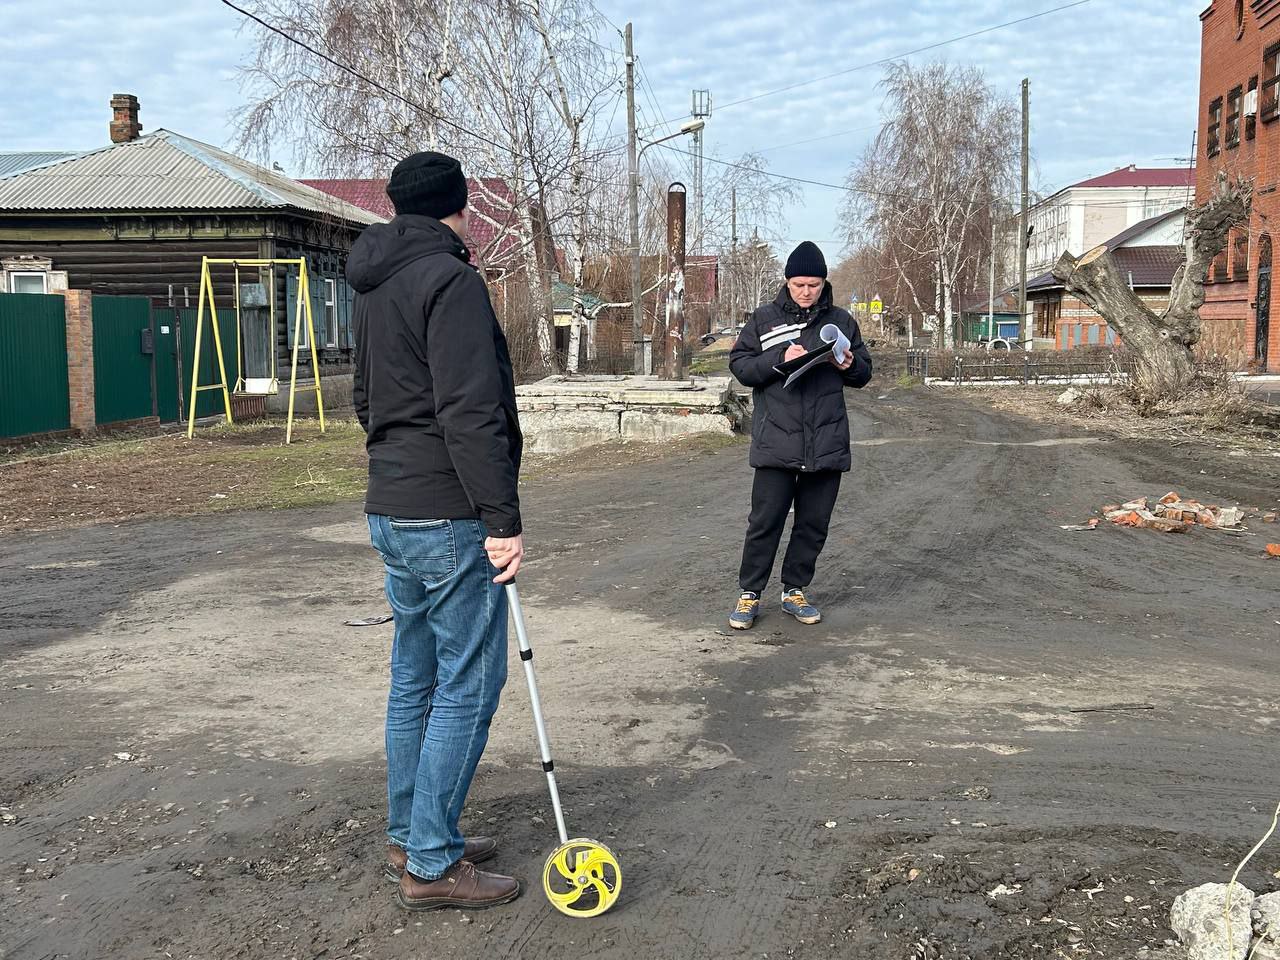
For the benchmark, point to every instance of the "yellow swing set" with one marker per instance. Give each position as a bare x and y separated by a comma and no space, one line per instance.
254,386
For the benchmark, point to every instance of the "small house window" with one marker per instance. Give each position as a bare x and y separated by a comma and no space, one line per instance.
1235,100
331,313
1269,109
29,282
1048,312
1213,142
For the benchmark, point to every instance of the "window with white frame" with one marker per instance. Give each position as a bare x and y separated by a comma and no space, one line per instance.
331,313
28,282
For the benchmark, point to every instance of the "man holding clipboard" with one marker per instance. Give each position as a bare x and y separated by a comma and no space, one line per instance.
798,354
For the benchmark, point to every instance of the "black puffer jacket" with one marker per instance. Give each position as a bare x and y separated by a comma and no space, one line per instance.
804,427
433,384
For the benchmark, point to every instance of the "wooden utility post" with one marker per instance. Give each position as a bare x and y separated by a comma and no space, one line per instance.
633,200
733,257
1027,331
676,211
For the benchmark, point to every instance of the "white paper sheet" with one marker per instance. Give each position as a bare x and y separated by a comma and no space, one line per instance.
837,345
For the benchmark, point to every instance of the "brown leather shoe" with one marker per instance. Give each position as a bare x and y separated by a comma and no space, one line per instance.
462,887
476,850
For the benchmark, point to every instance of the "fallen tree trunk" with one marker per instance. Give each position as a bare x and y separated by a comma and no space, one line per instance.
1163,343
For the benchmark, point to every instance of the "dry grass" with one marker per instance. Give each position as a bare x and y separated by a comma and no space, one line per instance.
240,467
1214,409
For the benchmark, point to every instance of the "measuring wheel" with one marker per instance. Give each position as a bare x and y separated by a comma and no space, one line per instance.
582,878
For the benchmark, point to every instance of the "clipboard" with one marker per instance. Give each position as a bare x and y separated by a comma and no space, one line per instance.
835,344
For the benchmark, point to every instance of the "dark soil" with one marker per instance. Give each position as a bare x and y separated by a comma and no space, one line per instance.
906,780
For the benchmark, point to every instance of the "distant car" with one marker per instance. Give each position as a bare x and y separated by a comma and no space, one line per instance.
709,338
726,332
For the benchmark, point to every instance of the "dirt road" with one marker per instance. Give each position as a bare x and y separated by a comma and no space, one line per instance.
190,749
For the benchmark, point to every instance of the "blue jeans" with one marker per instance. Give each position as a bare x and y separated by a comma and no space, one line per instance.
448,666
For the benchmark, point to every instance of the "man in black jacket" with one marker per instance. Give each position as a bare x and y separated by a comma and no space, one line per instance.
434,392
799,434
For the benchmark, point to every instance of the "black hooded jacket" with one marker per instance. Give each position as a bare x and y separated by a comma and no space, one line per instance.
433,383
806,426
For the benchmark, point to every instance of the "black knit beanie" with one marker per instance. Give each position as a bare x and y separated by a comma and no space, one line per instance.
429,184
806,260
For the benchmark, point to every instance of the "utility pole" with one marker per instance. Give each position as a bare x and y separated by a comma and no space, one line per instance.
637,306
1027,332
733,257
701,111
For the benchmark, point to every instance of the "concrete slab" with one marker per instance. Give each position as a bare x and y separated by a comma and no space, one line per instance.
561,414
654,427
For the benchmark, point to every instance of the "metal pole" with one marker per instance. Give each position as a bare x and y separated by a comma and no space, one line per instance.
1026,189
544,744
991,303
637,307
676,209
698,192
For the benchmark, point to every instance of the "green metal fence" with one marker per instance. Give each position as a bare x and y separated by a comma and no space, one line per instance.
209,402
122,352
33,364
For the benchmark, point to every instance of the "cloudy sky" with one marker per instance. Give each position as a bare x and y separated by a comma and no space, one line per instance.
1113,82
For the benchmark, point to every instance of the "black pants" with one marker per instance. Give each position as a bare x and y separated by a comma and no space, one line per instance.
772,496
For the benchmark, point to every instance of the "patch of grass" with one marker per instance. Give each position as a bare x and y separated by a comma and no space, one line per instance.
906,381
710,365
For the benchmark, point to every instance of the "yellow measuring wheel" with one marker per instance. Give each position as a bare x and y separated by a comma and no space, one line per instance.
582,877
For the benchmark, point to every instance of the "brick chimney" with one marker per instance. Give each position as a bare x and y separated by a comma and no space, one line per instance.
124,118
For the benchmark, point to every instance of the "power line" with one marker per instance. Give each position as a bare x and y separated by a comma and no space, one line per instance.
900,56
844,187
829,136
647,87
369,80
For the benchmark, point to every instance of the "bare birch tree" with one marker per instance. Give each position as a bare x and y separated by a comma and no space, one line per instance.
514,87
335,122
926,188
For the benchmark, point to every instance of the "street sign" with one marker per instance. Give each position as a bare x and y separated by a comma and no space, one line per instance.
877,305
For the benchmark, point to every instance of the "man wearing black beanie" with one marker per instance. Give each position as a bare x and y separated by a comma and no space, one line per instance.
434,392
799,434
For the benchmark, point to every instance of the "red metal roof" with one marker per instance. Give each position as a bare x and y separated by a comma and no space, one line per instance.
491,201
1144,177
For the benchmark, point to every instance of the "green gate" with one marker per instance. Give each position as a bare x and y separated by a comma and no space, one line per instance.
123,347
169,388
34,397
209,402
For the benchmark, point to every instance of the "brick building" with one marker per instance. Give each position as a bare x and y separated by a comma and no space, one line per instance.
1239,135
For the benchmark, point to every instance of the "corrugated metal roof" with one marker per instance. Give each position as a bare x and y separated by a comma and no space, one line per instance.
16,162
165,171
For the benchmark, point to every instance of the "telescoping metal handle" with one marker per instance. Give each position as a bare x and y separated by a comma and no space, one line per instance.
526,657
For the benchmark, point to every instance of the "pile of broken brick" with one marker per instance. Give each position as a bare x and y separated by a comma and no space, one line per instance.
1172,514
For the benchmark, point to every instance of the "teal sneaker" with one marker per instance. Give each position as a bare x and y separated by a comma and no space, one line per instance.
744,617
794,603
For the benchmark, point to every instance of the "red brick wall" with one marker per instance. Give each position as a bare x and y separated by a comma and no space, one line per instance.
1230,57
79,310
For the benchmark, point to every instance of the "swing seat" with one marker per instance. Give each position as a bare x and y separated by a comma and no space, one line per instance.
260,386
